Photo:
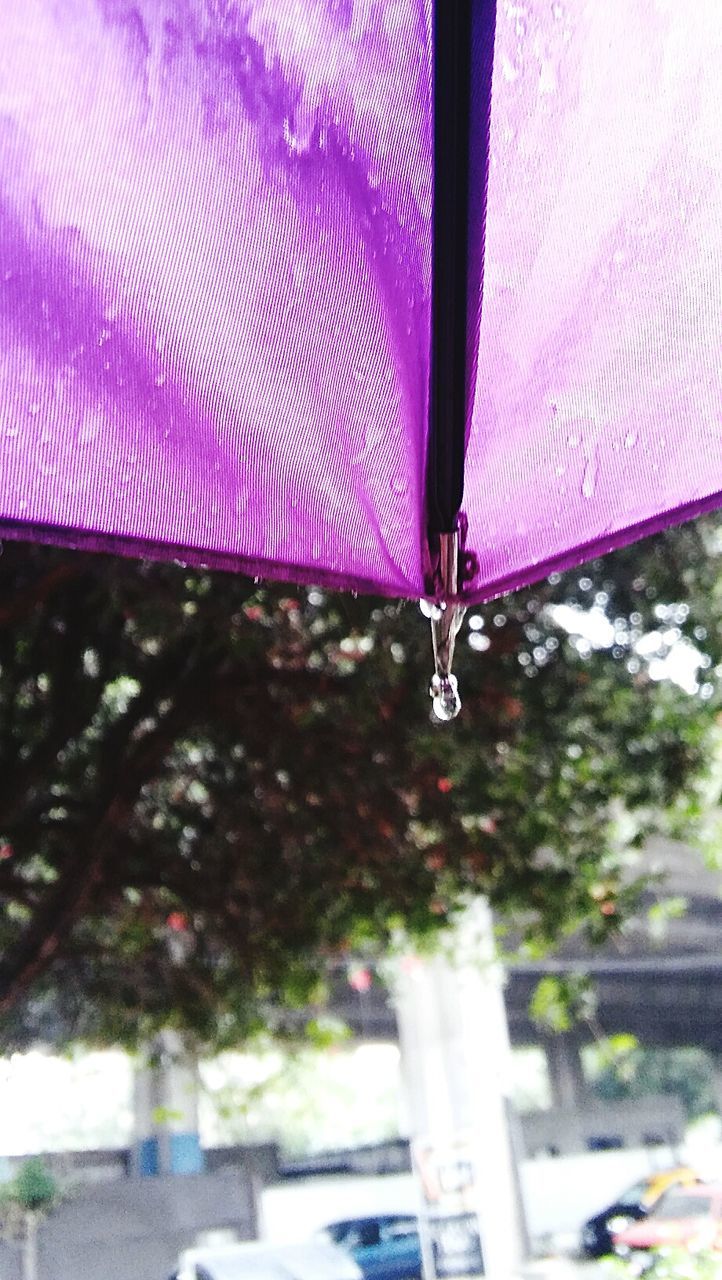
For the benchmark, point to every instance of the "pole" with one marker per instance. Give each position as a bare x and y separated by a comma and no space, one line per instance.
455,1059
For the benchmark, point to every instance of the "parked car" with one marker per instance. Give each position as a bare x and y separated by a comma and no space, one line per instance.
314,1260
632,1205
688,1218
385,1246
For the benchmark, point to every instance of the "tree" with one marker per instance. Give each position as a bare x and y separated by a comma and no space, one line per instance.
26,1200
626,1069
209,786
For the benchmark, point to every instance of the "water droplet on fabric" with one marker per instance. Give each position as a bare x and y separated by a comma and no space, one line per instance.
589,481
508,70
630,439
548,78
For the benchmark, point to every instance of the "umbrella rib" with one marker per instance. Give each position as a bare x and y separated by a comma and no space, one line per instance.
463,59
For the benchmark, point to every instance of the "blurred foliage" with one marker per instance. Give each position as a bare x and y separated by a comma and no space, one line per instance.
559,1002
660,915
310,1099
669,1264
33,1191
620,1068
34,1187
213,790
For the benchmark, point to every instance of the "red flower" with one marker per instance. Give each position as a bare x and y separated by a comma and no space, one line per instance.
360,979
435,861
177,921
6,851
444,784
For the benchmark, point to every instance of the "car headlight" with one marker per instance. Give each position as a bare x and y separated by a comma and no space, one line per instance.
618,1223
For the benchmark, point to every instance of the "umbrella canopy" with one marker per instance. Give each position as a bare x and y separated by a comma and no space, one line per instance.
240,281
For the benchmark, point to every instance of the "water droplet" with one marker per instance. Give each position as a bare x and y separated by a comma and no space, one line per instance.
429,609
573,441
508,70
548,77
34,409
445,698
373,177
589,482
399,485
630,439
160,379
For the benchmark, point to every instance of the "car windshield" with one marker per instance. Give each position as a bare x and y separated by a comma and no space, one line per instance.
399,1228
679,1205
633,1195
361,1234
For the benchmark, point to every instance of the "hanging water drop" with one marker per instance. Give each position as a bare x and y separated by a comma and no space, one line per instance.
446,618
446,702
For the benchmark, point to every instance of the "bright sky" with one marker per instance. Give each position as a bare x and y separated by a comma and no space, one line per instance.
668,654
50,1103
83,1101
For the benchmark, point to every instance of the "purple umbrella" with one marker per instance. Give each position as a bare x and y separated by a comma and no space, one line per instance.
241,251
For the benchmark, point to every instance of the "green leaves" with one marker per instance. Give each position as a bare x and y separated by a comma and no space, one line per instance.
34,1187
559,1002
210,790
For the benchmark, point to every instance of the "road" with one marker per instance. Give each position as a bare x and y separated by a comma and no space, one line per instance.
561,1268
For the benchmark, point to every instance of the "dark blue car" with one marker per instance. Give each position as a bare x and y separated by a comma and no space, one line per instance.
385,1246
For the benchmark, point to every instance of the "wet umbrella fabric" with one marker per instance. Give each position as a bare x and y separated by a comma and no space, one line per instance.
216,270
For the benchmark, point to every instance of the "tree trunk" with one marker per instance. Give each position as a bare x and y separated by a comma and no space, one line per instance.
30,1246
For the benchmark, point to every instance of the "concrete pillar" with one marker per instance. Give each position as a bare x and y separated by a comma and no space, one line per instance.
166,1109
455,1060
566,1073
